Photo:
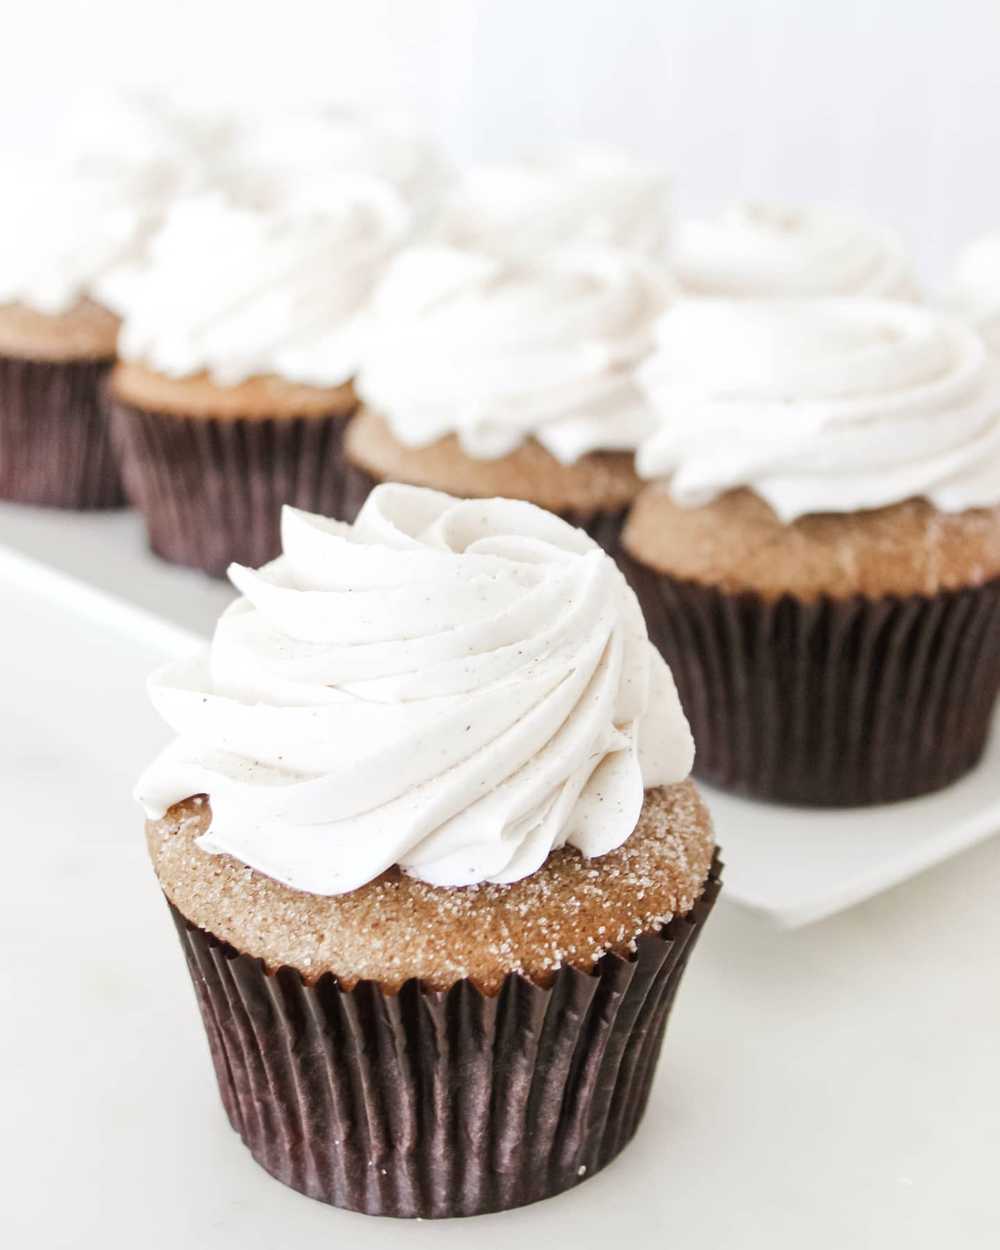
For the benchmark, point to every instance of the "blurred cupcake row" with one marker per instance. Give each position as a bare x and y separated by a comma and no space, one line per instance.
794,456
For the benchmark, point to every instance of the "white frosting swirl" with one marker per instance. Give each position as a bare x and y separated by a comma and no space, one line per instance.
236,291
823,406
975,291
454,687
768,251
61,235
523,209
475,345
278,147
66,228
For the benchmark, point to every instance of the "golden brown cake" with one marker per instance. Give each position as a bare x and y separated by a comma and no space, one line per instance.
594,493
85,332
737,543
256,399
571,912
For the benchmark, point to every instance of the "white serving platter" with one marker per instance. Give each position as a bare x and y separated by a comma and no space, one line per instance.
794,865
833,1087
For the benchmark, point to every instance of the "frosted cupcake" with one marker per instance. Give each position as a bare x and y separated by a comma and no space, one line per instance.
487,376
240,338
975,290
428,845
820,559
769,251
65,233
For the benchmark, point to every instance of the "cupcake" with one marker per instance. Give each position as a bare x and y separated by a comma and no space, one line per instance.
770,251
68,231
486,375
427,841
241,334
819,555
975,290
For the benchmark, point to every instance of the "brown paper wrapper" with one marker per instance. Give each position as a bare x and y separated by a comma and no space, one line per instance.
434,1104
603,527
837,702
55,448
211,491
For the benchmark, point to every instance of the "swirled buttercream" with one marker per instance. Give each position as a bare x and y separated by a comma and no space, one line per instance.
823,406
68,227
278,147
454,687
235,291
768,251
975,290
472,344
525,208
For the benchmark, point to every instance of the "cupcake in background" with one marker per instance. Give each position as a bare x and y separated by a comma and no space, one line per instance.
773,251
593,197
429,844
485,375
241,334
974,293
68,229
819,560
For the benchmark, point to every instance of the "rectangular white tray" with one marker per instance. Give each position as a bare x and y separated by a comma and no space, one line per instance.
794,865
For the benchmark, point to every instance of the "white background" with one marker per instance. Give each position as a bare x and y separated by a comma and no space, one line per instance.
892,107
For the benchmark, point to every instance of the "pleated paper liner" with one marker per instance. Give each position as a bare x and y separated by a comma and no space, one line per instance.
55,448
603,527
434,1104
837,702
211,491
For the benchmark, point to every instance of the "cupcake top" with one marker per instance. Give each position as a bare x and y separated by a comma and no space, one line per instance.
277,144
67,227
62,234
234,292
769,251
823,406
524,208
497,352
456,688
975,289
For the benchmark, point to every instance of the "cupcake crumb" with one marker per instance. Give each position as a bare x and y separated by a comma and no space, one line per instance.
571,911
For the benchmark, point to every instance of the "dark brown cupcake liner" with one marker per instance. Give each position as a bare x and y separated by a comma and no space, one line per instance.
211,490
837,702
603,527
432,1104
55,448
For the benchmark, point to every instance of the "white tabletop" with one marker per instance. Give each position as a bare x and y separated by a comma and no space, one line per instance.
834,1088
